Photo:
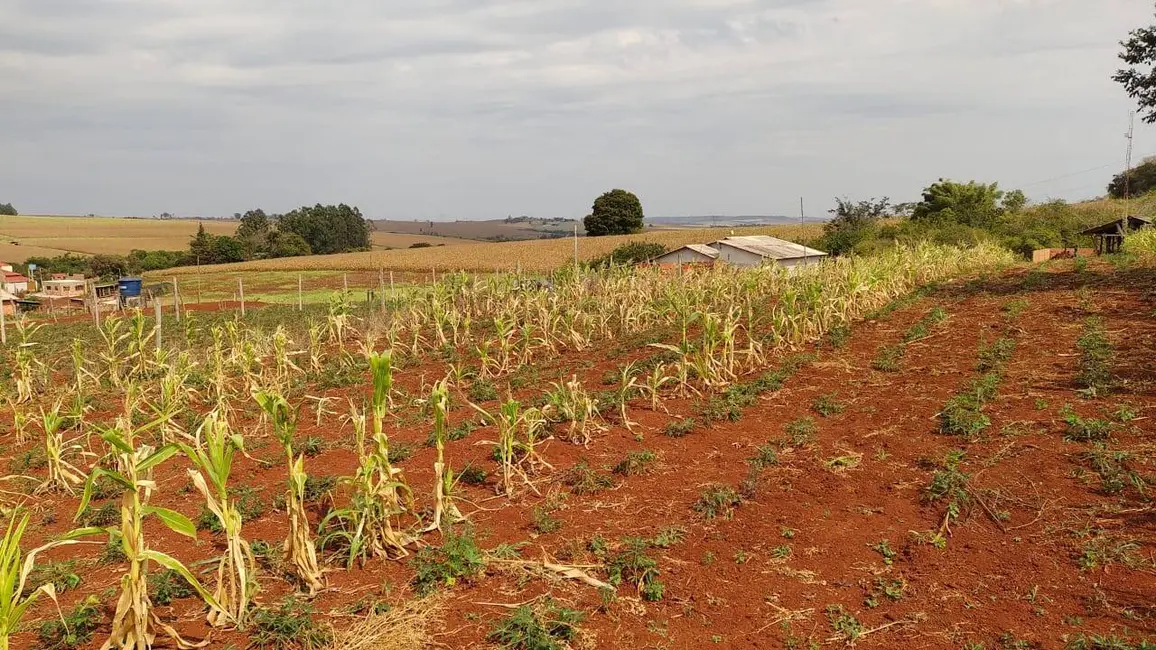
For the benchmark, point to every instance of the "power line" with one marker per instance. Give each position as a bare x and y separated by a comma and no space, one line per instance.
1069,175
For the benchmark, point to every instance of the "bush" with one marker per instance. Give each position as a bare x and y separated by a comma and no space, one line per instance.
635,252
76,628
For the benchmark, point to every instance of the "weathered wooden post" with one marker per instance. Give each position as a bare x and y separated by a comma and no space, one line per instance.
157,327
3,325
176,300
300,304
241,293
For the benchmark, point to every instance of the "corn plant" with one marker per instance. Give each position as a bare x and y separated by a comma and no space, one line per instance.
135,624
25,360
14,571
62,475
370,525
571,403
300,552
517,458
236,568
443,475
113,335
20,421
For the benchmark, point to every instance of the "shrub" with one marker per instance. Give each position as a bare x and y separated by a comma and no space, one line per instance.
802,431
635,252
827,405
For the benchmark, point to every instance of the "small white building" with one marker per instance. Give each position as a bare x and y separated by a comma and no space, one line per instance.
5,267
689,254
755,249
14,282
64,288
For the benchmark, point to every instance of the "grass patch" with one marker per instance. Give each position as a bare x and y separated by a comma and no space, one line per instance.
717,501
543,626
458,558
1096,355
76,628
1081,429
679,428
801,431
635,463
583,479
827,405
167,586
291,626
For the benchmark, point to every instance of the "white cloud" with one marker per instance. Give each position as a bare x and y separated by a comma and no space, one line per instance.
464,108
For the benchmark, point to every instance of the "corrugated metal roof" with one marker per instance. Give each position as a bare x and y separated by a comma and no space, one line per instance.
704,249
772,247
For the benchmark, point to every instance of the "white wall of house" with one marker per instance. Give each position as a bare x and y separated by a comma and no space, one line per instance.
737,256
683,256
16,287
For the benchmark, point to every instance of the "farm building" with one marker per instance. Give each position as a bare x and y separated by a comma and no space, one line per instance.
7,303
1110,236
743,251
63,288
689,254
14,282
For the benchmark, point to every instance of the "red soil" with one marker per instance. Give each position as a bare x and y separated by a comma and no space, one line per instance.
803,541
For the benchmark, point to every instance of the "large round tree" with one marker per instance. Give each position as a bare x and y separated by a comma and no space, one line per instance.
616,212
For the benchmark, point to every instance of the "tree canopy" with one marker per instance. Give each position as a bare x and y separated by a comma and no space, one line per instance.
7,210
973,204
1139,78
853,222
616,212
1141,179
328,228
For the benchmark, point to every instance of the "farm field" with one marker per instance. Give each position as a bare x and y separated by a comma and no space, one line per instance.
537,255
27,236
934,448
389,240
478,230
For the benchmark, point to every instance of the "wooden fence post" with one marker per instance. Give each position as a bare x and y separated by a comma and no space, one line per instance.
157,327
176,300
3,325
300,303
241,293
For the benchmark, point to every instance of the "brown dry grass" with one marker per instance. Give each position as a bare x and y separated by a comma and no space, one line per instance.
535,255
406,626
26,236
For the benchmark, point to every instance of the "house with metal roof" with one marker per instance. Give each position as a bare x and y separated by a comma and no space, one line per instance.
689,254
756,249
13,282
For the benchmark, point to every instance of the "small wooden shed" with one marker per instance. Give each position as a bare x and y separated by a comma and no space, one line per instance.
1109,237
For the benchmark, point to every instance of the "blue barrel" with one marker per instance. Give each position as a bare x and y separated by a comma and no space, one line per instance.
129,287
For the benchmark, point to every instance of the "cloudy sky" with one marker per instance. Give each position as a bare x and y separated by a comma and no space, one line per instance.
480,109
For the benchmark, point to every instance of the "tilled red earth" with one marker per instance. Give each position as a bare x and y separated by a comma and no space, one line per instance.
829,544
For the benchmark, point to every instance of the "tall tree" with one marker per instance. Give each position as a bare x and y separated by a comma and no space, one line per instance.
1141,179
328,228
616,212
853,222
970,204
1139,78
7,210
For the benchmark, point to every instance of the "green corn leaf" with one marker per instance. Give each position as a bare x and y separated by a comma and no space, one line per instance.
176,522
157,457
173,564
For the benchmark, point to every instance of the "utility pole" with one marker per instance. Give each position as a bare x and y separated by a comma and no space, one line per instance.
1128,161
802,225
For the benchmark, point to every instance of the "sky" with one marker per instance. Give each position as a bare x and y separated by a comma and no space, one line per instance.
472,109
